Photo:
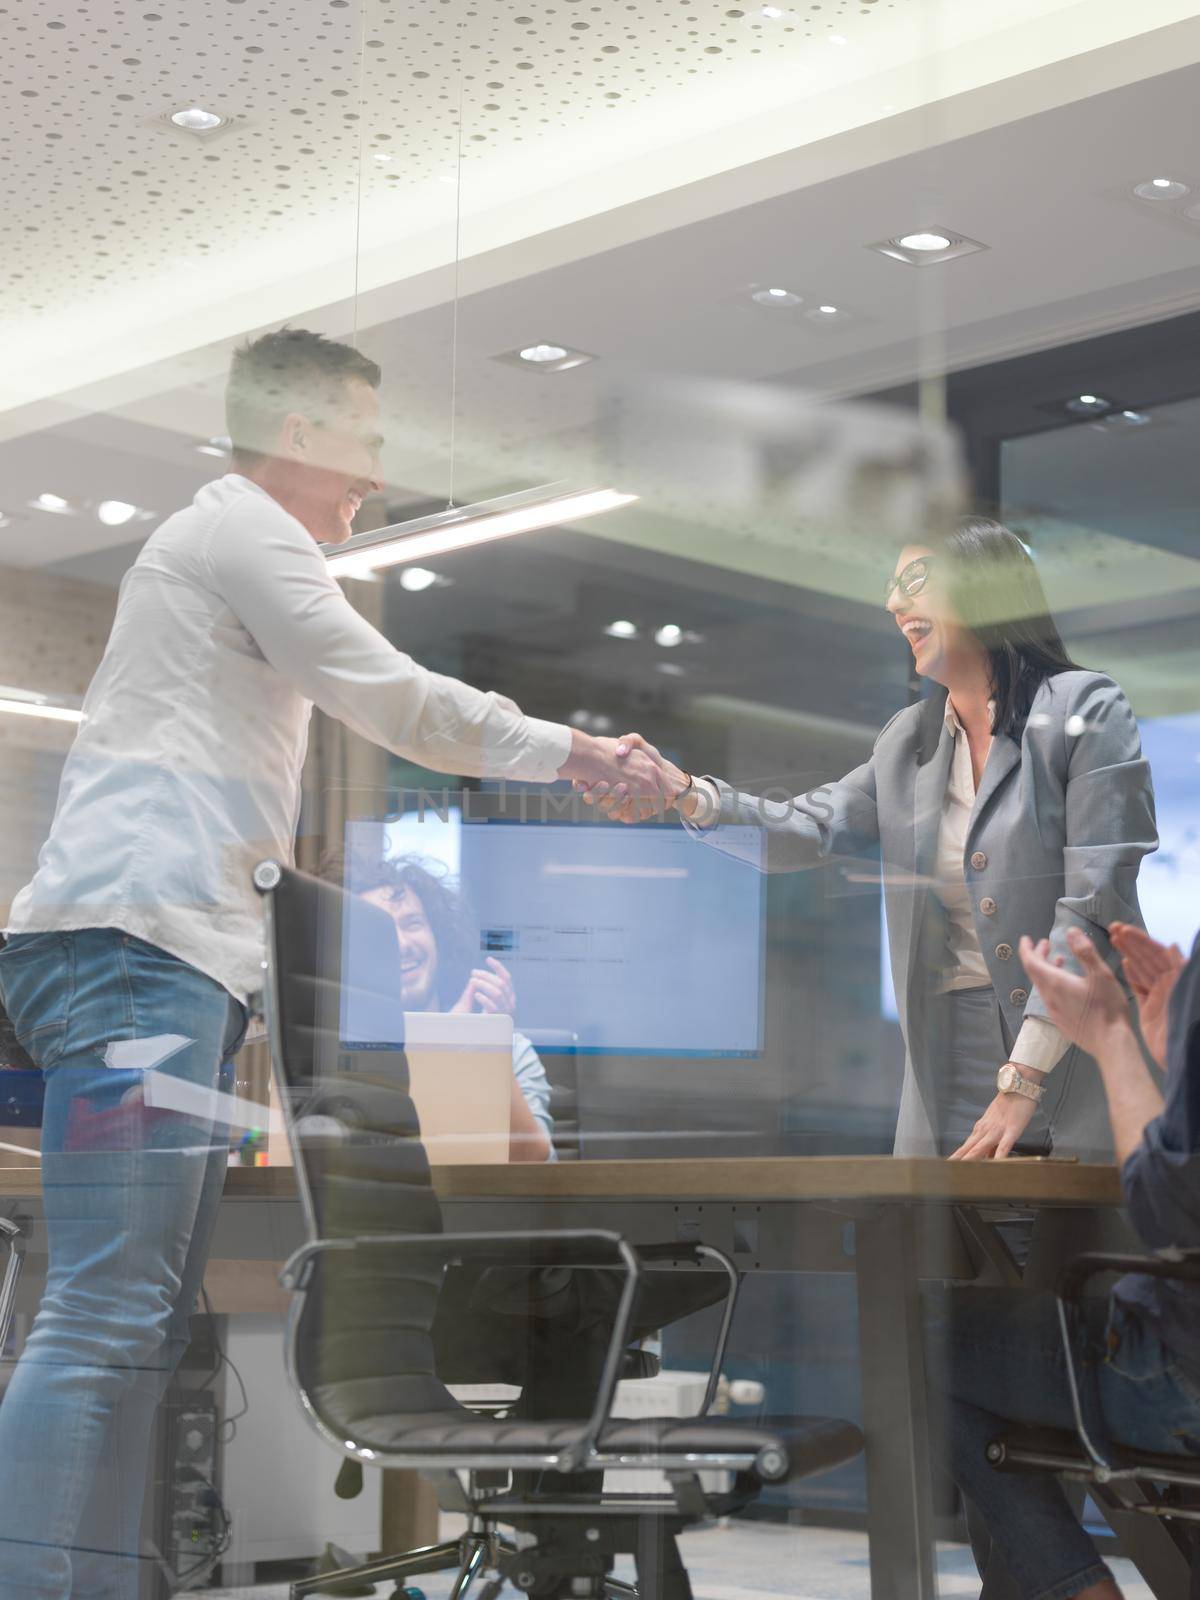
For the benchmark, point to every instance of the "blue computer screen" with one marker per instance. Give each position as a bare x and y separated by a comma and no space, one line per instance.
626,940
1169,881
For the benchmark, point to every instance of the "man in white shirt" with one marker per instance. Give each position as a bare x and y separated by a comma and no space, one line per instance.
132,953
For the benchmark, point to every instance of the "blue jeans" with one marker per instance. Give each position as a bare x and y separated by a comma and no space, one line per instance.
133,1043
995,1357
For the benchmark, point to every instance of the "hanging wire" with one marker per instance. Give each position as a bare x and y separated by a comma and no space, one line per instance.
458,176
362,133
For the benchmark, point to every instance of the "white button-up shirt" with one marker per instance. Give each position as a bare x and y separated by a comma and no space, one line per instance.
186,769
1039,1043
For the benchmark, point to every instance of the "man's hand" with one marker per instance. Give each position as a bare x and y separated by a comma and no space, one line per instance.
490,991
1151,969
1001,1125
1089,1006
631,780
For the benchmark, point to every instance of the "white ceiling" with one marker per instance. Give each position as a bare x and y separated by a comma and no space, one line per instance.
1070,252
135,242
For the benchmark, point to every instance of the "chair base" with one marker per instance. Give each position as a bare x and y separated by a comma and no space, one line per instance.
413,1563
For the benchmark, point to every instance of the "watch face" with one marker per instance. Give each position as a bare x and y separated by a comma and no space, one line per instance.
1008,1078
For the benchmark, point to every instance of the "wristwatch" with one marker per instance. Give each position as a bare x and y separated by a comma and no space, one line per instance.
1010,1081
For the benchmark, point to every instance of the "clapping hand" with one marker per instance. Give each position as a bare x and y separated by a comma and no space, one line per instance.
1087,1006
489,990
1151,969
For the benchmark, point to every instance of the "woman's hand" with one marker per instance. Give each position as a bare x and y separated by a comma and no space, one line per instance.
490,991
1088,1006
1001,1125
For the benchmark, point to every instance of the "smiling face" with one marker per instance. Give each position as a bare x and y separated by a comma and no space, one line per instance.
939,642
333,461
418,946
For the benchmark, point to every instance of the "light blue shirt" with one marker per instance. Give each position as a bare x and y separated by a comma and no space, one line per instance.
534,1085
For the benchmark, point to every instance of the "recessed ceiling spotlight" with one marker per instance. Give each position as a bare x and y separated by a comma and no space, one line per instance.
924,241
838,38
923,247
115,513
827,314
416,579
218,446
772,13
670,669
1135,419
53,503
1161,189
545,357
1088,405
194,119
669,635
383,157
622,629
775,297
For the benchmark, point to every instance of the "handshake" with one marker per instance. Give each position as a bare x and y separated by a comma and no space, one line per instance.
630,781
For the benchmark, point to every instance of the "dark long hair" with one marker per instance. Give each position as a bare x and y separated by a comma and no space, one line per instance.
365,871
995,588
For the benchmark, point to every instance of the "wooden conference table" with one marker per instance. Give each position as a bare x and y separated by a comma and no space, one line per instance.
891,1222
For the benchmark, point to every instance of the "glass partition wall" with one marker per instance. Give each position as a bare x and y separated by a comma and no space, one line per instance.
751,280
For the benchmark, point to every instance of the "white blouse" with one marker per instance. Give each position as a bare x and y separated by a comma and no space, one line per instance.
1039,1044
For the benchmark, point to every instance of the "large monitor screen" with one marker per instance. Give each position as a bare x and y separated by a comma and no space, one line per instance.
626,940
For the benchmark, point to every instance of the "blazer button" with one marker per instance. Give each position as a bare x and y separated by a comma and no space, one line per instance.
988,906
979,861
1019,996
1004,952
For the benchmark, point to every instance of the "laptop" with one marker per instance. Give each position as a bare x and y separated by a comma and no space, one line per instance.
460,1073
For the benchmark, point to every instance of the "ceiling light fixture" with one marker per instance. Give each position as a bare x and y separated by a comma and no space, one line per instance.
418,579
669,635
1087,405
544,357
383,157
463,526
194,119
775,297
26,703
540,353
115,513
924,241
622,629
53,503
1161,189
838,38
924,247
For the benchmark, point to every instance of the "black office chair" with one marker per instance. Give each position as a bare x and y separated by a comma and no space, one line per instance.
365,1293
1121,1480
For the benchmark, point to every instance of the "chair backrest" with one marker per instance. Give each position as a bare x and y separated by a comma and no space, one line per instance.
363,1346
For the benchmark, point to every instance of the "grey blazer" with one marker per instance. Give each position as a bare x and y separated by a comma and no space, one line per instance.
1060,824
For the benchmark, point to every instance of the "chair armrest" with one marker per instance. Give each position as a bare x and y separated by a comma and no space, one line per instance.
1183,1265
561,1248
566,1247
697,1253
1171,1263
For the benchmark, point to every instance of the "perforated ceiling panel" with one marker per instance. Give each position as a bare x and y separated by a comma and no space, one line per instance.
100,189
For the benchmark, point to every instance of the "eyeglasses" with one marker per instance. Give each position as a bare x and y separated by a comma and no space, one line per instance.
910,580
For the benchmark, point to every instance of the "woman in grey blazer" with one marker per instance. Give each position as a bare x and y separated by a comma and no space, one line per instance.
1013,799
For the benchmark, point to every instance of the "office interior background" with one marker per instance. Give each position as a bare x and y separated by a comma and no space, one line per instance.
696,253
